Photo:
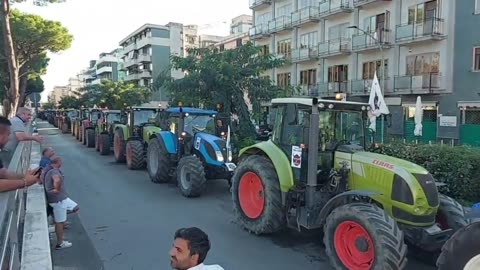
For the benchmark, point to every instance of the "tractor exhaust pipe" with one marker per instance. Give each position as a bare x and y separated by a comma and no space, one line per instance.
312,153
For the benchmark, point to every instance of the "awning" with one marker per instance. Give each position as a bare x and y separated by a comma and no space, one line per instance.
467,104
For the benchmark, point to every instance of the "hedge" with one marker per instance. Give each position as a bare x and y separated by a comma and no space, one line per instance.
457,167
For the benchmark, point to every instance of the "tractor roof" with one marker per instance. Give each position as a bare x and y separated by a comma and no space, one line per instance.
145,107
308,102
112,111
191,110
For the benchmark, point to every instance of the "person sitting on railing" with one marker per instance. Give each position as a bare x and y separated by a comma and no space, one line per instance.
47,153
10,181
19,132
58,199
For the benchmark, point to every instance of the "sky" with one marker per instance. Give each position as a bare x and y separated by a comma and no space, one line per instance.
99,25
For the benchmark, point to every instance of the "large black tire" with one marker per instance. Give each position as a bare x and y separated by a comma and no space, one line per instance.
191,176
90,138
451,214
158,163
64,128
256,195
364,234
104,144
460,248
135,155
119,146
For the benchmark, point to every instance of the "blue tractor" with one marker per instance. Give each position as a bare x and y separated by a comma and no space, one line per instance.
192,147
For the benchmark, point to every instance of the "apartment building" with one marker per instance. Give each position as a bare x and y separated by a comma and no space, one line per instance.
336,46
57,93
239,28
108,67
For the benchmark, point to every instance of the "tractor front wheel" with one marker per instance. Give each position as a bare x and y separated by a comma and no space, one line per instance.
90,138
256,195
119,146
104,144
461,249
362,236
191,176
135,155
97,142
158,163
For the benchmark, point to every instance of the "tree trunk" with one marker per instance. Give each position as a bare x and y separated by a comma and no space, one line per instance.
12,97
23,91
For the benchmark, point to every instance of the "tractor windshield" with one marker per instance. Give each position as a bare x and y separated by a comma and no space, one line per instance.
144,116
343,127
113,117
199,123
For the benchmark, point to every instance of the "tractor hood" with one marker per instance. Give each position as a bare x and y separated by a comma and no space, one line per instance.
396,165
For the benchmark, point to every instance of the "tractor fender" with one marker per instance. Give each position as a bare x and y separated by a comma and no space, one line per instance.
149,131
342,199
124,130
168,141
278,158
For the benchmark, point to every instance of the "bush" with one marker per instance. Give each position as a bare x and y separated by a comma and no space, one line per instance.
457,167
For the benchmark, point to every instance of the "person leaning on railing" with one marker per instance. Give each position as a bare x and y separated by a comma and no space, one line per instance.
8,180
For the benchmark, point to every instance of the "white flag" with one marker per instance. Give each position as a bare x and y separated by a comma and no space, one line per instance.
376,102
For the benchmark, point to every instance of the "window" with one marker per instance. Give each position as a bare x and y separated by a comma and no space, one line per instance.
307,3
477,6
283,79
309,40
308,77
377,24
339,31
262,19
264,50
476,59
422,12
284,47
238,42
369,69
423,63
285,10
338,73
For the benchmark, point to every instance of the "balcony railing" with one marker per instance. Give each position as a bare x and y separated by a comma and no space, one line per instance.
329,89
427,30
332,7
304,15
285,56
304,54
258,31
259,3
279,24
417,84
334,47
359,3
144,58
363,87
363,41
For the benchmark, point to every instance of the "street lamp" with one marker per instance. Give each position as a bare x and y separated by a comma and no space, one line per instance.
380,46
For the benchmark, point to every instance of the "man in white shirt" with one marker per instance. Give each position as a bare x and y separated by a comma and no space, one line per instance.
190,248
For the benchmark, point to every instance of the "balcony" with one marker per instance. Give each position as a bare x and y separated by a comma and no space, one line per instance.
144,58
363,87
130,47
280,24
305,15
304,54
258,31
366,3
334,47
259,3
428,30
104,70
330,8
430,83
364,42
287,56
329,89
130,63
145,74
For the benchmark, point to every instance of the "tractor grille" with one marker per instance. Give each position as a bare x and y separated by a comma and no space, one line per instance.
429,188
223,147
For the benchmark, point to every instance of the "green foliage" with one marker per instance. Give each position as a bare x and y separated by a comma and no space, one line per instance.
114,95
228,77
48,106
457,167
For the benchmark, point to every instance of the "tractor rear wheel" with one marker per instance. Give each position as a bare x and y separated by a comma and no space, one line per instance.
191,176
97,142
119,146
256,195
134,155
158,163
461,248
104,144
362,236
90,138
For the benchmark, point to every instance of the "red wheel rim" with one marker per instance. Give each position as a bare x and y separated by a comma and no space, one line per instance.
251,195
354,246
116,145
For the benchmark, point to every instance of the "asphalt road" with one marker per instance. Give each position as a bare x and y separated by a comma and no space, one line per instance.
131,221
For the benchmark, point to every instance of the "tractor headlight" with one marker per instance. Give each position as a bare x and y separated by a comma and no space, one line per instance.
230,158
219,156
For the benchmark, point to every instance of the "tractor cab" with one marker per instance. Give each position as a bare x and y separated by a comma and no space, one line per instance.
109,118
137,117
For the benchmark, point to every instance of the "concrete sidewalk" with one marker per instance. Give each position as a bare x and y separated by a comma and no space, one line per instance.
82,255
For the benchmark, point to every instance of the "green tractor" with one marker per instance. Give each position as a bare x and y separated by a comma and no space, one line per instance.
105,129
314,173
130,140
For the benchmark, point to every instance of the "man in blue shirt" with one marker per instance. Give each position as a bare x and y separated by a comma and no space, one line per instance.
47,153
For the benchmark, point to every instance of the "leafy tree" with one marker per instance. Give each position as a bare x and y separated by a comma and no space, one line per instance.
34,85
232,78
48,106
23,44
68,102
